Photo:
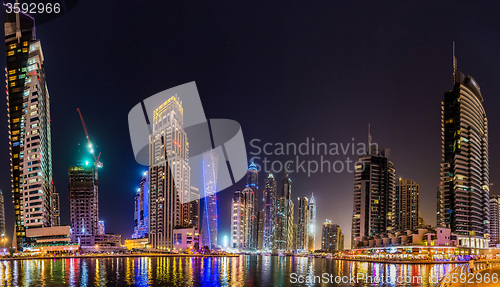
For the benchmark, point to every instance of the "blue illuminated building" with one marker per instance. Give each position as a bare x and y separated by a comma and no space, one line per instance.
210,220
141,209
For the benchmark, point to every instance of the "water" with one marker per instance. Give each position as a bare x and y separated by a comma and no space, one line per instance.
212,271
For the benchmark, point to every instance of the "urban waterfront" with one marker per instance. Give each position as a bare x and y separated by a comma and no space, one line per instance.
245,270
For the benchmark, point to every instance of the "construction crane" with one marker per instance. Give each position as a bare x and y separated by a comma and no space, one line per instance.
91,146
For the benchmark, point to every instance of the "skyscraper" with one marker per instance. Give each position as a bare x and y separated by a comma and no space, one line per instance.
407,210
210,220
260,230
494,220
169,174
251,194
302,224
269,212
238,220
2,214
284,216
29,125
332,238
141,209
84,203
463,195
312,224
374,195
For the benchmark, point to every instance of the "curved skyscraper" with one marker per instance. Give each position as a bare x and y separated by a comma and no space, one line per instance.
210,224
463,196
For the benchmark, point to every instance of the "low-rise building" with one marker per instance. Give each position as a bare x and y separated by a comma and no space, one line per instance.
50,239
186,239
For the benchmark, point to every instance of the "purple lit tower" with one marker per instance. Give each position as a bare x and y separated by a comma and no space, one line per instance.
210,221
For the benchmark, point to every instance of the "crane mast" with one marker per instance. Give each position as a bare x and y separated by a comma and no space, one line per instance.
90,145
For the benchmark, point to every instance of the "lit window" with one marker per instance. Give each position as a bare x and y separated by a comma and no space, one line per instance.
11,53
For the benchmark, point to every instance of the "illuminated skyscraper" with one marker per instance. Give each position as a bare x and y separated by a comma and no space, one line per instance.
269,213
332,238
84,203
312,224
407,210
494,220
238,220
374,195
2,214
302,224
284,209
210,221
463,195
169,175
141,209
29,124
251,194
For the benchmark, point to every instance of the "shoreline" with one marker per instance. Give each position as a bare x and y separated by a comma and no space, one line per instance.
226,255
115,256
401,262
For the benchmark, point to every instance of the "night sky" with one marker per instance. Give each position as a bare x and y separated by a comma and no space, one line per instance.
284,71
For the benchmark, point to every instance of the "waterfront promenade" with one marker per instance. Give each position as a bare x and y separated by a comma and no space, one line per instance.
486,273
104,255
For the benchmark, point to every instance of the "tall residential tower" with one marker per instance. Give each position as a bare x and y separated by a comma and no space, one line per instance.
29,127
463,194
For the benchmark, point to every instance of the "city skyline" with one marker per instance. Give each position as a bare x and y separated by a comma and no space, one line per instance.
429,64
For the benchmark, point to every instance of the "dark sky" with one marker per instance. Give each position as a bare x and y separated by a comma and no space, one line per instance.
285,71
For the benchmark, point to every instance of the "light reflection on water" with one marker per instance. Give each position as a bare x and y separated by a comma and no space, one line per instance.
199,271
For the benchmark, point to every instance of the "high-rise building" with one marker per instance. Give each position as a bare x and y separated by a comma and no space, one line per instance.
29,127
210,220
141,209
494,220
269,212
101,228
251,193
463,195
332,238
238,220
2,214
284,216
374,195
169,175
56,211
302,224
312,224
194,209
84,203
260,230
407,210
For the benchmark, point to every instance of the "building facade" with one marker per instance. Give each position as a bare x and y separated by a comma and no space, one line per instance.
374,195
284,216
463,194
238,222
494,220
169,175
29,127
302,224
210,219
312,224
2,215
141,209
332,238
84,203
269,213
407,209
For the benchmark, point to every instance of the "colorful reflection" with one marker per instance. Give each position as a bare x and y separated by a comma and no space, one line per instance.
248,270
